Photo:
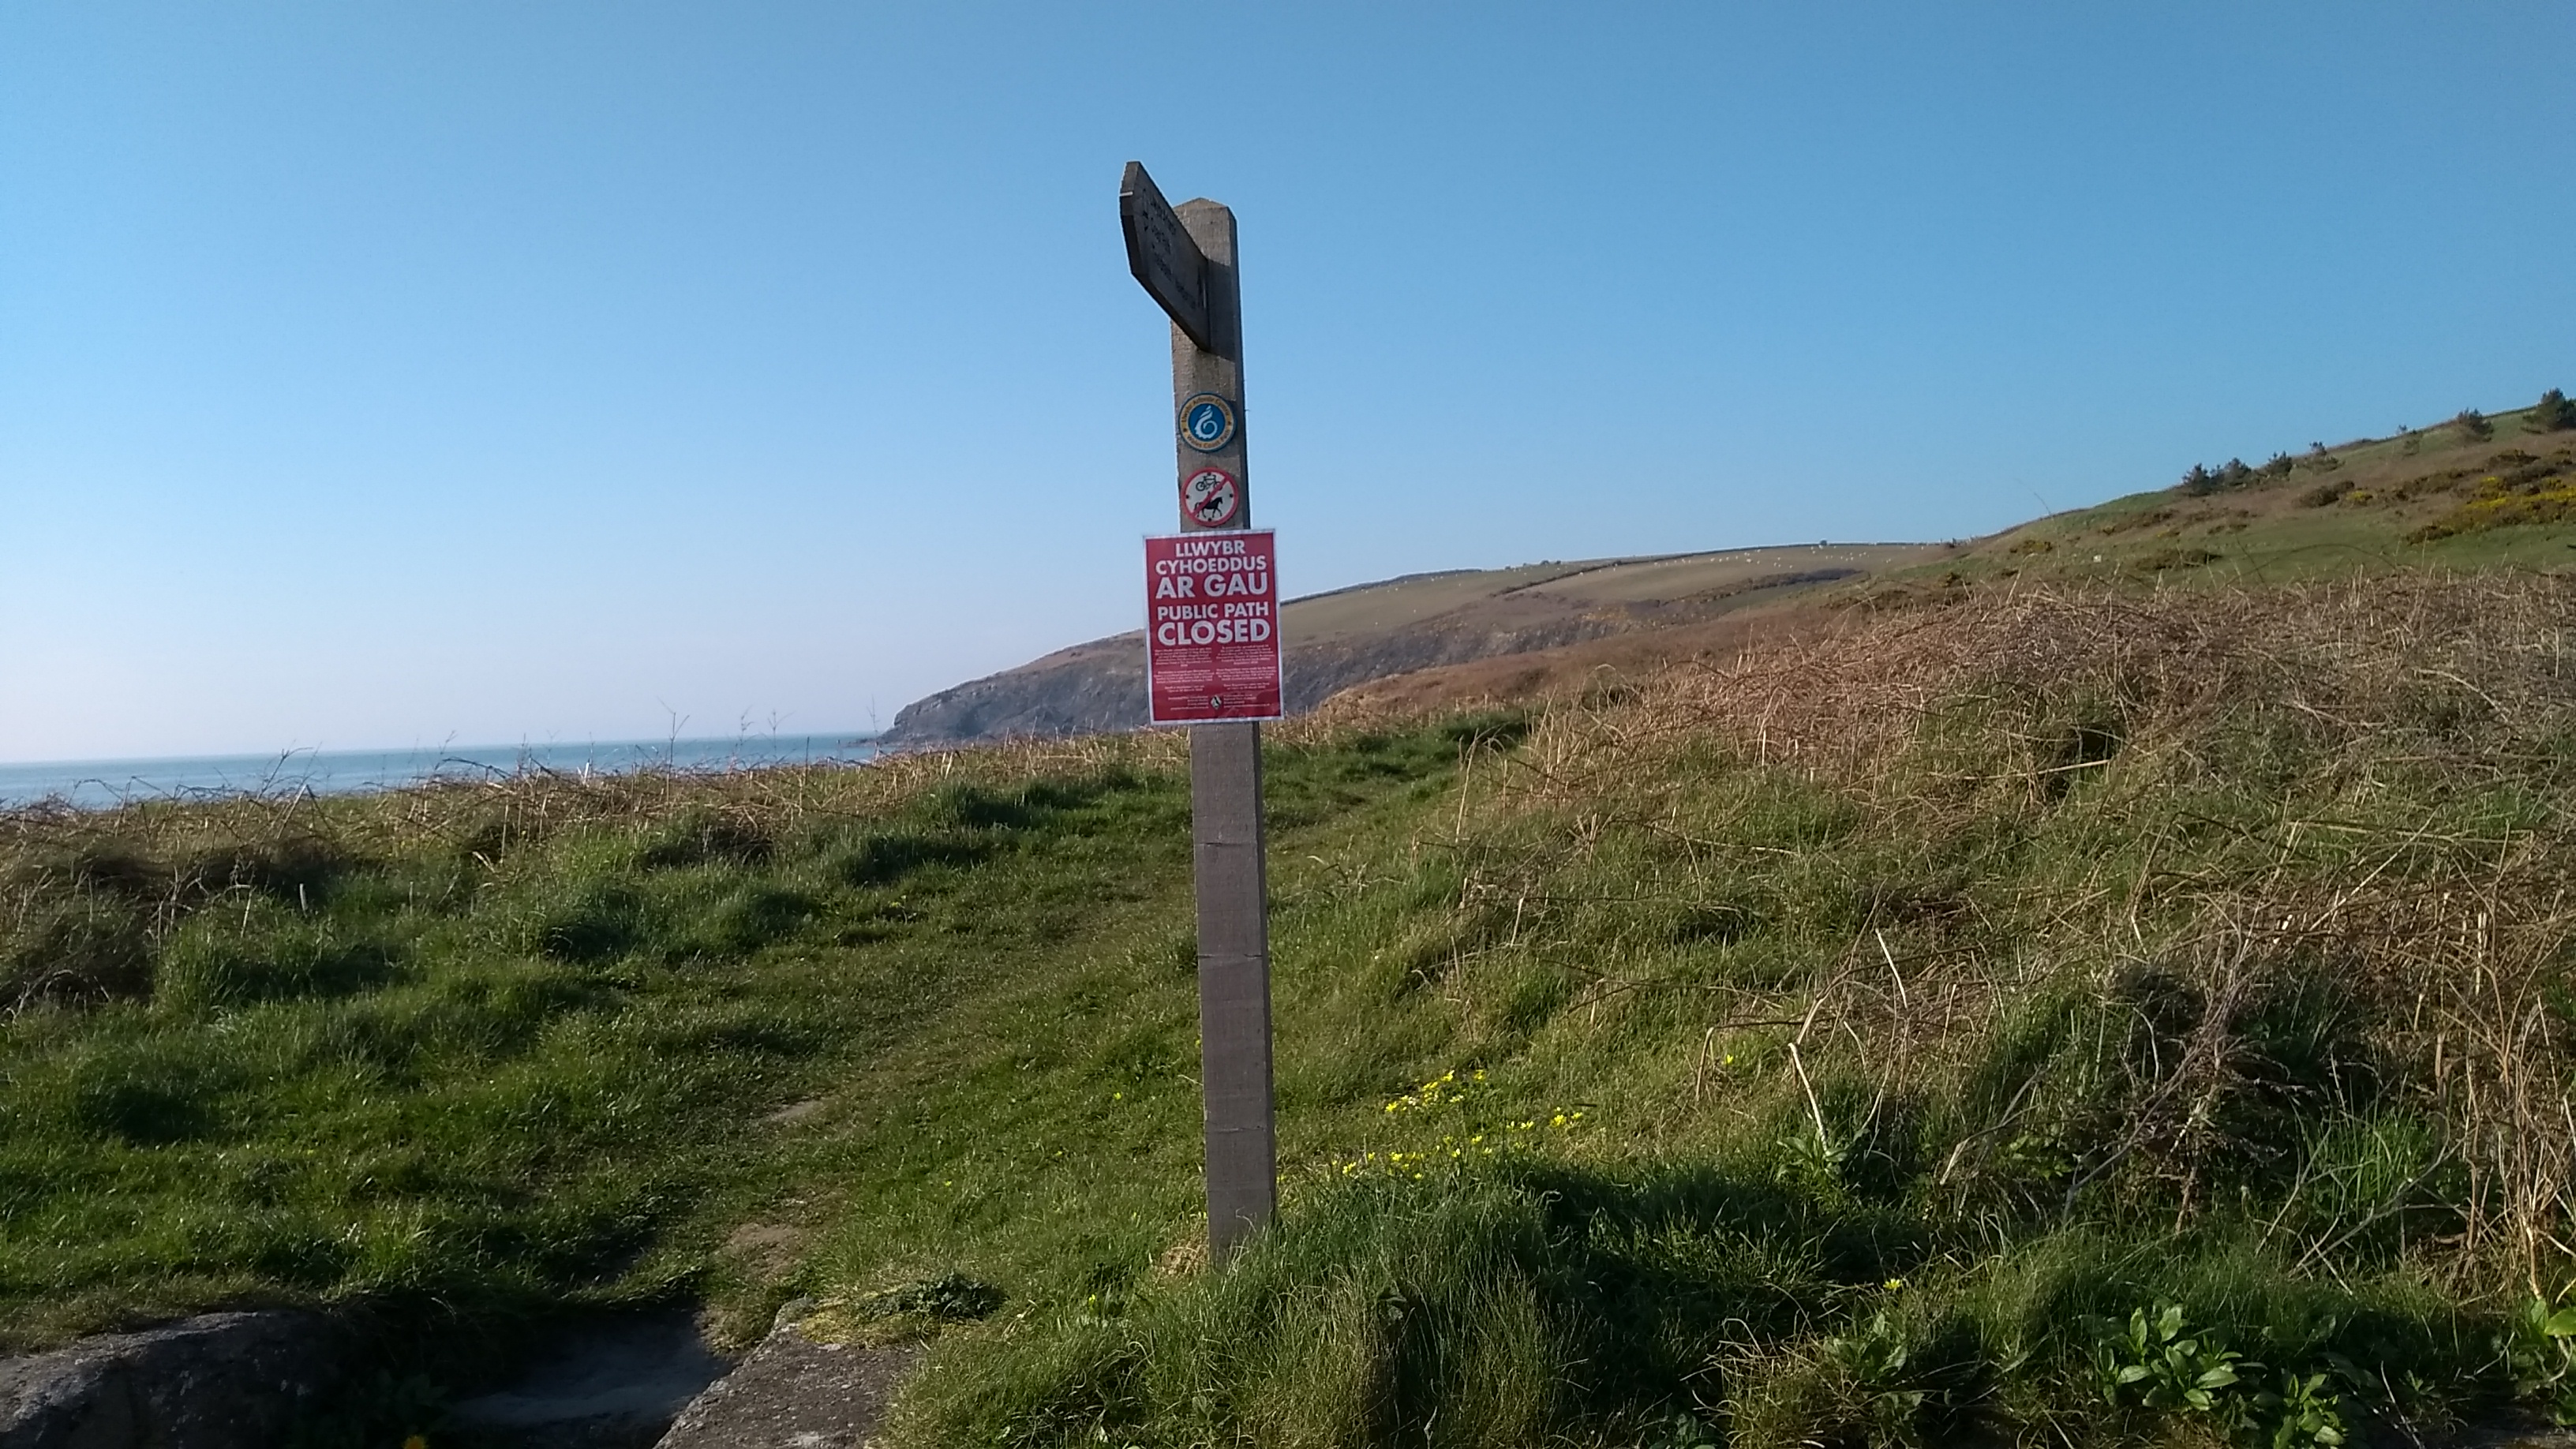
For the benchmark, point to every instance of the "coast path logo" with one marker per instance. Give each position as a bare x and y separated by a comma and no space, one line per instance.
1211,498
1207,422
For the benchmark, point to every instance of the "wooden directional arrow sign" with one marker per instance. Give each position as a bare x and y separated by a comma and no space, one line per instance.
1162,255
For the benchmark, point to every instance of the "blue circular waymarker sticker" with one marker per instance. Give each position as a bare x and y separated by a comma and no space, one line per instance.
1207,422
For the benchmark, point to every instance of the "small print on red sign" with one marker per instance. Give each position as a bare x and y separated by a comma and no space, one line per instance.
1212,627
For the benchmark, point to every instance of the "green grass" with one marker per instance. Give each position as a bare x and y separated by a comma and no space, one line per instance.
1856,1045
2435,499
1845,1049
479,1054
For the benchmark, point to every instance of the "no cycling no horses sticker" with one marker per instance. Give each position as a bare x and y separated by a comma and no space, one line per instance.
1211,498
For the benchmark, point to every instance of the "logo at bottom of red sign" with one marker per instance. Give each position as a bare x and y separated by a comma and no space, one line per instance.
1211,498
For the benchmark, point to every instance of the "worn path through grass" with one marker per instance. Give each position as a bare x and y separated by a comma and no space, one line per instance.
460,1059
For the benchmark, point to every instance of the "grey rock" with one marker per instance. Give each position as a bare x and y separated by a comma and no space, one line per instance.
220,1381
795,1393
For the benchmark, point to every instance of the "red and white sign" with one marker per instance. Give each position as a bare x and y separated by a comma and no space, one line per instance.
1212,626
1211,497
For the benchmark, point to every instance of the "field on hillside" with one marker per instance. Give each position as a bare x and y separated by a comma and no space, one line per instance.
2030,1015
1691,585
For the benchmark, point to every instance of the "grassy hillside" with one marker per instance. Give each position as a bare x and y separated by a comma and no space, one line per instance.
2030,1014
1860,1043
1350,636
2475,493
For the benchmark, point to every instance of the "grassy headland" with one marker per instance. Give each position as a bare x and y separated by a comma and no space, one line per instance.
2038,1012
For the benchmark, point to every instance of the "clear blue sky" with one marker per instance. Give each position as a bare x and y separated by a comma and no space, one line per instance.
394,373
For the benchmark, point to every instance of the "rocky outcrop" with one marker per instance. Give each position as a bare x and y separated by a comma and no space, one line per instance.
221,1381
795,1392
1082,690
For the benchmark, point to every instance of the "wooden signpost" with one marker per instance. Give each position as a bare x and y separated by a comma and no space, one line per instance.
1184,256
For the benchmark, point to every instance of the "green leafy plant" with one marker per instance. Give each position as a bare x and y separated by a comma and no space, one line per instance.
2302,1414
1873,1360
1811,1160
2158,1363
2538,1347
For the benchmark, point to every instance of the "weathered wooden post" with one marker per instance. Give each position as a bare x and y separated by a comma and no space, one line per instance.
1212,631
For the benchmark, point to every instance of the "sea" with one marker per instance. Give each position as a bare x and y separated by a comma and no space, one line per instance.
100,784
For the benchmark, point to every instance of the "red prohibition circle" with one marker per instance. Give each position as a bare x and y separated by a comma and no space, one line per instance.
1211,498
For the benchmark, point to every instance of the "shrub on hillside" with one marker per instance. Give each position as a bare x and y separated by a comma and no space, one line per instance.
2201,481
2554,413
2473,425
